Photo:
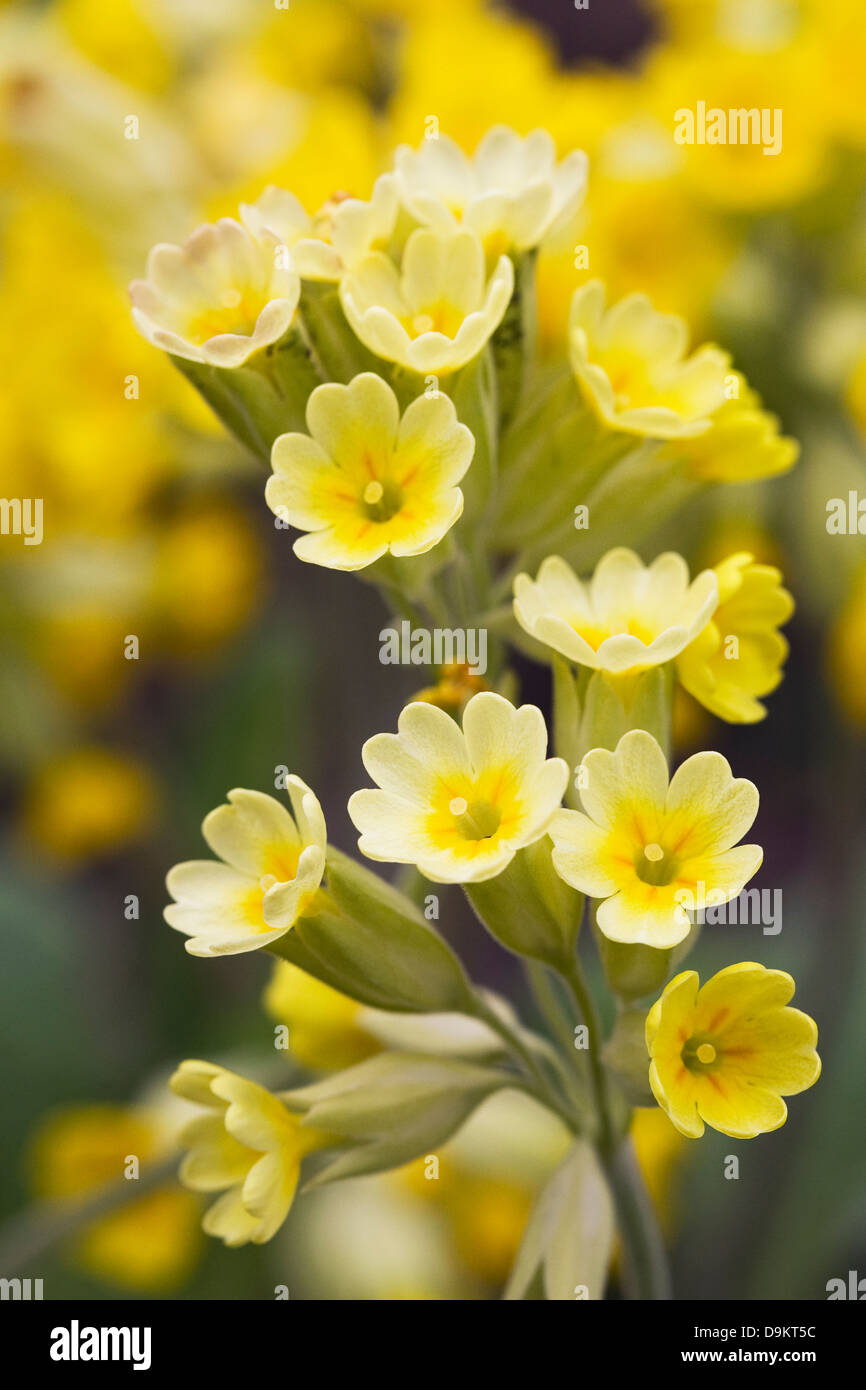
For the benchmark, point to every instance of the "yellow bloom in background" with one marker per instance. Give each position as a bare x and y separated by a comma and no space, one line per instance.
271,870
220,297
628,616
89,802
725,1053
150,1244
742,444
438,75
344,229
458,803
652,850
123,38
247,1146
630,365
740,653
325,1026
846,655
768,146
434,312
207,577
511,193
366,481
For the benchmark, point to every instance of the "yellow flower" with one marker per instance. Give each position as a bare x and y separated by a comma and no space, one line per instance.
219,297
654,851
628,616
434,312
270,873
512,193
739,655
631,368
325,1026
89,802
124,38
152,1242
247,1146
458,804
749,121
726,1053
207,576
340,234
742,444
366,481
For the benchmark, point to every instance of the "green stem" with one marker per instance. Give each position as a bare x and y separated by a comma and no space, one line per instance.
646,1273
588,1014
645,1266
523,1054
551,1008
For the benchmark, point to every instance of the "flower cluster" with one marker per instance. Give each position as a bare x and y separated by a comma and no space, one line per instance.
381,357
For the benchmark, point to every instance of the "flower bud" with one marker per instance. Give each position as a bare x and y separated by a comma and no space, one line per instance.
392,1108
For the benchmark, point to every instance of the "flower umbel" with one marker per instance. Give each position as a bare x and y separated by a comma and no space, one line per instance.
271,869
726,1053
628,616
219,297
644,846
364,481
631,367
458,804
247,1146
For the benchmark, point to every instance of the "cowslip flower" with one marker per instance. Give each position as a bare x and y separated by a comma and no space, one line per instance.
364,481
511,193
739,655
458,803
437,310
743,443
626,617
247,1146
653,850
323,246
271,870
220,297
725,1053
630,365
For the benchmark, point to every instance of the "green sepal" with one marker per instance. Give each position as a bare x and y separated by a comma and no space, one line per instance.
373,944
528,908
392,1108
